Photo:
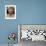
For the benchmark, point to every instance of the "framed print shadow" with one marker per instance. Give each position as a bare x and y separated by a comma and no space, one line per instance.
10,11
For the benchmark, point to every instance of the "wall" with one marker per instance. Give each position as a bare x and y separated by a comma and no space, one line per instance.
28,12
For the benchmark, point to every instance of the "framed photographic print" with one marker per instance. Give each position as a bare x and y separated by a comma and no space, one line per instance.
33,32
10,11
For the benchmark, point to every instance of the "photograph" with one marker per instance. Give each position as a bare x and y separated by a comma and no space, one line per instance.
31,33
10,11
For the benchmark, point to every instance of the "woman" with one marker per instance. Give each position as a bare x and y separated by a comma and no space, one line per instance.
10,12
